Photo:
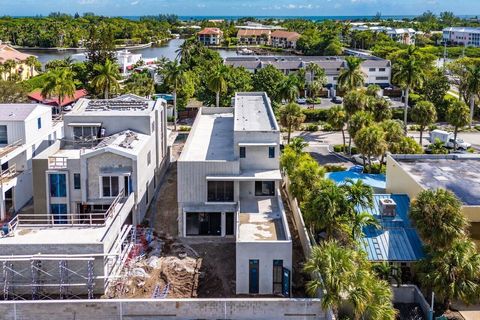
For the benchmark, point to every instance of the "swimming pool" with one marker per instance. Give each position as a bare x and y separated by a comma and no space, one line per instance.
376,181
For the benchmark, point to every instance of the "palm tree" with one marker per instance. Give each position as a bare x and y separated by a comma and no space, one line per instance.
305,176
458,116
372,91
359,221
357,122
453,274
186,50
472,86
336,119
424,114
173,73
107,78
381,109
438,217
335,265
358,193
386,271
353,102
370,141
217,82
298,144
409,73
352,77
59,83
32,62
291,117
289,89
317,75
9,65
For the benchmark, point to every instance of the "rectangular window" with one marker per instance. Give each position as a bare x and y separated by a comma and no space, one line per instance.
381,69
229,223
85,133
277,276
203,224
3,135
126,185
110,187
271,152
149,158
76,181
253,276
146,193
243,152
371,69
264,188
58,185
39,123
381,78
220,191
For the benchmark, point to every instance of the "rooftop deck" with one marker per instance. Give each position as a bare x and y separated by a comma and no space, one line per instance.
253,112
260,220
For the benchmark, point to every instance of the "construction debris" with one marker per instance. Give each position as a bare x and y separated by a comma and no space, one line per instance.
157,268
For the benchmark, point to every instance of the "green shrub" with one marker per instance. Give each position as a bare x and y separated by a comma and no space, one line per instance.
170,119
315,115
340,148
471,150
414,128
432,127
375,169
334,167
312,127
397,114
327,127
413,98
184,128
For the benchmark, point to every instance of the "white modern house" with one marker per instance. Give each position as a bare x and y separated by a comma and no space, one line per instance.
229,188
126,60
465,36
25,130
111,149
401,35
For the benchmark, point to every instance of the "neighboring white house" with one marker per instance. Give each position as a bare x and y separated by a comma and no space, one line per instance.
210,36
377,71
126,60
229,187
401,35
111,148
465,36
25,130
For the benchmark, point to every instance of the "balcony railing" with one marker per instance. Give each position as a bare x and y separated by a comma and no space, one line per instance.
8,174
56,162
9,148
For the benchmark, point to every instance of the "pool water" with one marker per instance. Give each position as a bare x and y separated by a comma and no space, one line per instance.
376,181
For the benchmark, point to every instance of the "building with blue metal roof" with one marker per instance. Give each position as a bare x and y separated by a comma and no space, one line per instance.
396,240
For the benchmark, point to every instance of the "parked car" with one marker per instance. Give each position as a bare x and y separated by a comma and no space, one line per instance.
387,98
358,158
68,108
448,140
301,101
337,100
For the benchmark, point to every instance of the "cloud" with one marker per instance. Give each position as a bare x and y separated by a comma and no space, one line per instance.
134,3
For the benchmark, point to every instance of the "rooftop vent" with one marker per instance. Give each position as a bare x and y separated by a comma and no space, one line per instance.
387,207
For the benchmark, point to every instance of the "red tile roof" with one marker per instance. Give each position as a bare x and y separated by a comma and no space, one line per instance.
53,101
290,36
252,32
210,31
9,53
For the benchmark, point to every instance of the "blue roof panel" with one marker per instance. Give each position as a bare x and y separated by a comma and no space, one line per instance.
397,240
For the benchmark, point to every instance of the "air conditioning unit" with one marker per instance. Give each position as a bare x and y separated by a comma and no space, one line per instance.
387,207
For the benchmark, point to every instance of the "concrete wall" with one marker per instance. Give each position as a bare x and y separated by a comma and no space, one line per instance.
399,181
410,294
265,252
140,123
257,158
235,309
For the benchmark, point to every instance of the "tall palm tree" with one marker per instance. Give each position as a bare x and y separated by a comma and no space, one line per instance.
32,62
9,65
458,117
353,102
217,82
186,50
472,86
107,78
359,194
424,114
336,119
386,271
316,72
298,144
359,221
370,141
409,73
289,88
59,83
438,217
352,77
291,117
173,77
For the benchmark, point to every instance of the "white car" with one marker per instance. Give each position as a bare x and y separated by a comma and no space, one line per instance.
386,98
301,101
68,108
358,158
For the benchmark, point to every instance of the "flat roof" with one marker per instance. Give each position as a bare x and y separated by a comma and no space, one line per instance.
260,220
210,139
253,112
458,173
397,239
55,235
120,106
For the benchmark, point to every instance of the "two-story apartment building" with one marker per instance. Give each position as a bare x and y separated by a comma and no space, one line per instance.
284,39
210,36
25,130
228,187
376,70
464,36
110,147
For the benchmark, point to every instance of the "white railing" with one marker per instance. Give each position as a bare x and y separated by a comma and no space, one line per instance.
8,174
56,162
8,148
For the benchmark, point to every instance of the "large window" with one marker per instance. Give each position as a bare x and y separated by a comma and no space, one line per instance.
264,188
110,186
271,152
83,133
220,191
204,224
59,212
3,135
58,185
76,181
277,276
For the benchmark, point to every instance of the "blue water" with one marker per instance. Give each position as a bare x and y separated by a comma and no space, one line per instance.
376,181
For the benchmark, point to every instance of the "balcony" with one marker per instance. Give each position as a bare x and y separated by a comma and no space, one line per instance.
57,162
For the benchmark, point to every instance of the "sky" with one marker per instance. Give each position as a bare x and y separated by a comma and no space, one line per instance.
239,7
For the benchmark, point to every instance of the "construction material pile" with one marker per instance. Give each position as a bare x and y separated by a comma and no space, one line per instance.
158,268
